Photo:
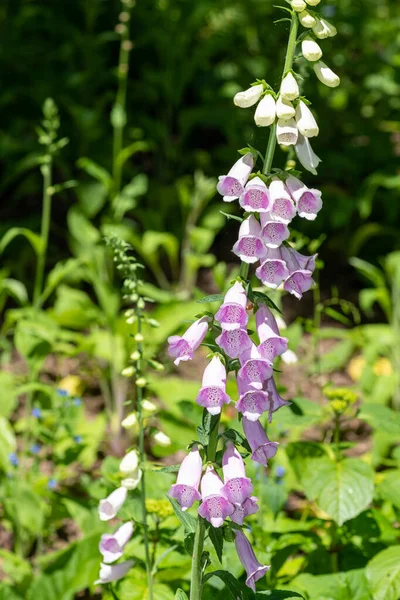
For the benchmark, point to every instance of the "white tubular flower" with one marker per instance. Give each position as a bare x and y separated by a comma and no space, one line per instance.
162,439
306,155
289,357
313,2
298,5
132,481
265,111
306,19
326,75
129,421
108,507
310,49
305,121
289,89
284,109
129,463
286,132
249,97
323,29
148,407
109,573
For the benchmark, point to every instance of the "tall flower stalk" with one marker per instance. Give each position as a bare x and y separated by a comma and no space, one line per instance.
270,198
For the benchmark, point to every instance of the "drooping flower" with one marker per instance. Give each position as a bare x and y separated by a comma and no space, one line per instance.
112,546
162,439
237,487
232,314
273,233
130,421
255,197
249,246
249,97
313,2
234,341
324,29
283,208
129,463
306,155
273,270
254,569
306,19
265,111
214,507
284,109
249,507
326,75
272,344
300,269
276,401
310,49
212,395
109,573
308,201
305,120
231,186
289,357
108,507
286,132
254,368
186,488
182,347
262,448
132,480
289,89
298,5
252,403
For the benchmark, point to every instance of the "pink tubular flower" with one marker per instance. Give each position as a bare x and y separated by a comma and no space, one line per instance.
255,197
232,314
308,201
231,186
186,488
254,569
276,401
271,343
112,546
182,347
249,246
252,403
282,207
109,573
214,507
254,368
258,440
213,391
234,341
273,269
273,233
237,487
249,507
108,507
300,269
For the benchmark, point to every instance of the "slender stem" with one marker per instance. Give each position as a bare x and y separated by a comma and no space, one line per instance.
142,456
47,170
196,577
336,438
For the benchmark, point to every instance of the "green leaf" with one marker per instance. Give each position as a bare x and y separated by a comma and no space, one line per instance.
389,487
169,469
81,228
350,585
370,272
15,289
381,418
231,217
92,196
95,171
8,443
336,358
139,146
279,595
188,521
261,298
232,584
181,595
217,539
211,298
8,396
383,574
33,238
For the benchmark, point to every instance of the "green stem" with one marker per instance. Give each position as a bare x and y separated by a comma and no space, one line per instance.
336,438
47,170
142,456
196,576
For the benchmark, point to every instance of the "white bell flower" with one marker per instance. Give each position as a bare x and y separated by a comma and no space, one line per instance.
265,111
286,132
323,29
305,121
306,155
289,88
306,19
284,109
310,49
249,97
326,75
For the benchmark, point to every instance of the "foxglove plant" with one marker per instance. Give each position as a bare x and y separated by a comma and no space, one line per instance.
271,200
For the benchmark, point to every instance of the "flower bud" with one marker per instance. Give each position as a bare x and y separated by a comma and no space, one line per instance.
326,75
284,109
324,29
141,382
298,5
139,337
128,372
129,463
148,406
286,132
310,49
306,19
162,439
265,111
313,2
305,120
129,421
289,89
249,97
135,355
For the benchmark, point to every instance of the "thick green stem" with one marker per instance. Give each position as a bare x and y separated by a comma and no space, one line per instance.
47,170
142,457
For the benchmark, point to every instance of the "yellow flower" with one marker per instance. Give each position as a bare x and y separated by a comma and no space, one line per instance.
383,367
356,367
72,384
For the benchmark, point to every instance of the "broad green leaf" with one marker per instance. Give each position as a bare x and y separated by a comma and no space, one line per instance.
8,443
8,396
17,570
136,187
383,574
15,289
217,539
370,272
81,228
381,418
181,595
33,238
7,593
351,585
95,171
60,272
232,584
211,298
188,521
24,507
278,595
336,358
389,487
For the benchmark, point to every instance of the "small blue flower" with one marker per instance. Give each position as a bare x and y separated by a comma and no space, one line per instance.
35,448
52,484
77,439
36,412
13,458
61,392
280,471
77,401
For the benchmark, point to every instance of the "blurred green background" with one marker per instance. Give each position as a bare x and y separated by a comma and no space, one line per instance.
187,62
